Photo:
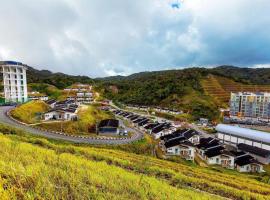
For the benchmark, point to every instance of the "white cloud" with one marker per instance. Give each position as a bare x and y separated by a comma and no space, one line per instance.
101,37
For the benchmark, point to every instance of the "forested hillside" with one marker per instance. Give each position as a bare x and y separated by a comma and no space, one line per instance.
59,80
192,90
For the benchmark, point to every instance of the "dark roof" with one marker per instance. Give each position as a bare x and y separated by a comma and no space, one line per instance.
142,123
109,123
72,110
159,128
175,134
190,133
172,143
254,150
214,152
238,153
134,117
187,143
139,120
150,126
245,160
206,143
50,101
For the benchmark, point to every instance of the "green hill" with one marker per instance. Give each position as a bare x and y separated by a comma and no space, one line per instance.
199,91
36,168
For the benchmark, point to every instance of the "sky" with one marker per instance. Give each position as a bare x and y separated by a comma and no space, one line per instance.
101,38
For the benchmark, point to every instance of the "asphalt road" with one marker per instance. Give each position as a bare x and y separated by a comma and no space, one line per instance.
4,119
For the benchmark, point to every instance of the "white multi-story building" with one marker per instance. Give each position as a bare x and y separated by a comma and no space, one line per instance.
14,81
247,104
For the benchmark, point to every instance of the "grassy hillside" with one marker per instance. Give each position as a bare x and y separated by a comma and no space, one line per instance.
30,112
31,172
35,168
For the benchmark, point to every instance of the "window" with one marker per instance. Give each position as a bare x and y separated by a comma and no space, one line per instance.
217,160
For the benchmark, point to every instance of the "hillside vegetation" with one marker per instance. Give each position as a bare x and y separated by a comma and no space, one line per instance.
35,168
198,91
30,112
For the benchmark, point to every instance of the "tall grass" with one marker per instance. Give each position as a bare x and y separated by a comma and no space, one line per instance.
176,176
30,112
32,172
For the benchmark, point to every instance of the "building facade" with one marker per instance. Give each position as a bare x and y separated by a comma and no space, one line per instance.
14,81
253,105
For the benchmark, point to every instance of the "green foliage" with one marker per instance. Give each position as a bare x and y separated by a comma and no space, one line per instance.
177,89
47,89
260,76
59,80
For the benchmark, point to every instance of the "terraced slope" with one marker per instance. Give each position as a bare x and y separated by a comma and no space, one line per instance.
221,87
34,168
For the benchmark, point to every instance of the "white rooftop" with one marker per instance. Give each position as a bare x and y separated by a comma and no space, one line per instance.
244,132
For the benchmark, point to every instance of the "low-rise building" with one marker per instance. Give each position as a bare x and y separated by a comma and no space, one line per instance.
219,156
51,102
247,163
262,155
234,135
38,97
108,127
61,114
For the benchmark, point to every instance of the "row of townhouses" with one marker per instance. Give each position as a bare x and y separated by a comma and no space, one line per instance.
156,129
156,109
188,144
81,97
61,110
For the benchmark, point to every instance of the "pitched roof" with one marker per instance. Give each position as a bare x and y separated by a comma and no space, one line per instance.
175,134
206,143
50,101
161,127
142,123
214,152
171,143
254,150
245,160
238,153
190,133
187,143
152,125
109,123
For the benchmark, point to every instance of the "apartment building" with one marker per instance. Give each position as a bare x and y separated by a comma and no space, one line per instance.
251,105
14,81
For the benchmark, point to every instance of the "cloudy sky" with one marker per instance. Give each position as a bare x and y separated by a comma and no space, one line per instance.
109,37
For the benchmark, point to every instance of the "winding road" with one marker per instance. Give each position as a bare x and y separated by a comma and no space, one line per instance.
5,119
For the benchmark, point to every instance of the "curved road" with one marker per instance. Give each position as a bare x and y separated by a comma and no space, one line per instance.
76,139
